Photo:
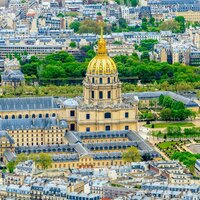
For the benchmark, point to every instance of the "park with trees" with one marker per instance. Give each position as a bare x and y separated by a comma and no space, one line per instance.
63,65
174,150
174,110
42,160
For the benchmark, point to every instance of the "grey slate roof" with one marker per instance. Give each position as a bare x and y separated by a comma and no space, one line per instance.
81,149
46,148
151,95
108,145
6,134
63,158
105,155
28,123
72,137
29,103
9,155
76,148
101,134
12,75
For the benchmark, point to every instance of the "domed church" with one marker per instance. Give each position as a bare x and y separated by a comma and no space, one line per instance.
103,106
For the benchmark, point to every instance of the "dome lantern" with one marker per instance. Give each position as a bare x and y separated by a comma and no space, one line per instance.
102,64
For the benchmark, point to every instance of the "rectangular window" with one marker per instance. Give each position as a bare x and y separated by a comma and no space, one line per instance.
100,81
100,95
107,128
88,129
72,127
72,113
126,127
87,116
92,94
109,94
126,114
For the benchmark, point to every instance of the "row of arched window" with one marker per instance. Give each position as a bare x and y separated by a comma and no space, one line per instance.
20,116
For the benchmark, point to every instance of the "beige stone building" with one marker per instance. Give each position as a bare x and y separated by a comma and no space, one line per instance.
41,124
102,106
191,16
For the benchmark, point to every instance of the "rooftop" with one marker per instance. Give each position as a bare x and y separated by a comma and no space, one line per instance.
28,103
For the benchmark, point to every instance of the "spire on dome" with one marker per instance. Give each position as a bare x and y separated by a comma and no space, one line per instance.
102,44
101,32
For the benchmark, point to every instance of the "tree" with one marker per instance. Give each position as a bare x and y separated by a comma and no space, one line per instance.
131,155
45,160
21,157
52,72
152,21
117,42
72,44
90,26
34,157
122,23
166,114
11,166
181,21
177,105
147,157
145,56
186,158
147,45
160,100
134,3
75,26
173,130
144,20
181,114
72,14
144,26
171,25
167,102
61,15
90,54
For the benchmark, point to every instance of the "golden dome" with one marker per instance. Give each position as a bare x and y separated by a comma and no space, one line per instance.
102,64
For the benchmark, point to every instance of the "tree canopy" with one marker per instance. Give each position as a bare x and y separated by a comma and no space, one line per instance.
186,158
63,65
173,110
75,26
42,159
131,155
170,25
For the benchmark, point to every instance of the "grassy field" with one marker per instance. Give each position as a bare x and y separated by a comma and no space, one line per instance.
166,124
169,148
165,145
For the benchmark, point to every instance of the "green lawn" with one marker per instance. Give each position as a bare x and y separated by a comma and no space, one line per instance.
165,145
166,124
